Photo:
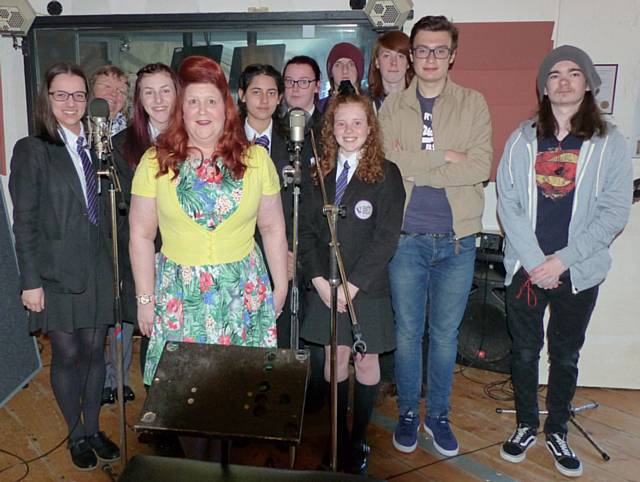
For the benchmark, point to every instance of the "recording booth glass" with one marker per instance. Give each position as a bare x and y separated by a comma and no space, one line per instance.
232,39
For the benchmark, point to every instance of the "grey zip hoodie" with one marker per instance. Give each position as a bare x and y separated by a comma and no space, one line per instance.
601,204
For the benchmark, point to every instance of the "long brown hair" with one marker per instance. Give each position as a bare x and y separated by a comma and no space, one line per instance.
172,144
138,139
398,42
371,162
584,123
46,123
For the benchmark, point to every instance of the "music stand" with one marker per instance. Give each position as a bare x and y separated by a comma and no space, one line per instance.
228,392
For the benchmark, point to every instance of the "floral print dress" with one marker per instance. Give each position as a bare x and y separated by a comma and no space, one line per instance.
227,304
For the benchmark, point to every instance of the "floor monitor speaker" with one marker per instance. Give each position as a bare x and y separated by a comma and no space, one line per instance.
484,341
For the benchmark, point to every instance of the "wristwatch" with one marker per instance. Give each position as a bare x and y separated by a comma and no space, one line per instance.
144,299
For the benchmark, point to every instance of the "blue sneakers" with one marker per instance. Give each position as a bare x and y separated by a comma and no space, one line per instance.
405,437
443,438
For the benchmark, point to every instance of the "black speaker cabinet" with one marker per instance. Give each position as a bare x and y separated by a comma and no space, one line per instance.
19,357
484,341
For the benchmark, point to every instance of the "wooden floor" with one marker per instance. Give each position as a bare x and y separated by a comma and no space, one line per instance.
32,427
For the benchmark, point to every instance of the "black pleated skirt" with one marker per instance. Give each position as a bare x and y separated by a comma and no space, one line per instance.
93,307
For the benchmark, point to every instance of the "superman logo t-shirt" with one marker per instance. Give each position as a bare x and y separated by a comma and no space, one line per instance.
556,166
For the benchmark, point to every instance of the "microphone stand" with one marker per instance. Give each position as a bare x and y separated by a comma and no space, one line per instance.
108,172
337,276
292,174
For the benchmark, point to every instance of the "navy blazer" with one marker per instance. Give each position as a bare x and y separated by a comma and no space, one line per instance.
50,221
368,234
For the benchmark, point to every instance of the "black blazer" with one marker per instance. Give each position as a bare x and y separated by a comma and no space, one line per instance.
125,175
368,234
50,220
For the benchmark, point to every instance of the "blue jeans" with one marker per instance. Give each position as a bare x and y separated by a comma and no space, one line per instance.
437,268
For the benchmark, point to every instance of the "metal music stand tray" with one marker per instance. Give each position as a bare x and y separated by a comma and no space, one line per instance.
228,392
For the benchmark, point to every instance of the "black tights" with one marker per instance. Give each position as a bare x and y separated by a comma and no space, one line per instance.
77,377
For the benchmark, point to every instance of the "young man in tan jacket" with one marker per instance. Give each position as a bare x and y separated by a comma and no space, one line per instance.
439,135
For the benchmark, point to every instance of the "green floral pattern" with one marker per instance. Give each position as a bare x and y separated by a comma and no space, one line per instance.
226,304
207,192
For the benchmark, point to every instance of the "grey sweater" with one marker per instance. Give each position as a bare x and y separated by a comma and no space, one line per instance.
601,205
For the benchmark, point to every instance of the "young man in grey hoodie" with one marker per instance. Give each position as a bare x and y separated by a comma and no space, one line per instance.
564,194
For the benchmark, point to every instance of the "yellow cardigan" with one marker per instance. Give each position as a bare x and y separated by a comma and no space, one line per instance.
186,242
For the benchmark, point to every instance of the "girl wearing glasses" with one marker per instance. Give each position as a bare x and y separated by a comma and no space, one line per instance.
154,99
63,256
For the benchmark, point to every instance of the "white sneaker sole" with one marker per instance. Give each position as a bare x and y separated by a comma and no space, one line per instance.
403,448
441,450
564,471
516,459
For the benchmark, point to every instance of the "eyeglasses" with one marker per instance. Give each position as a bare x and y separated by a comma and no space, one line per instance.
62,96
423,52
302,83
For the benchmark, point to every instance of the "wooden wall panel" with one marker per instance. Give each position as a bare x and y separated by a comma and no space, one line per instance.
501,60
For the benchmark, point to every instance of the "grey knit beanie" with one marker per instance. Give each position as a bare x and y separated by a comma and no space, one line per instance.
568,52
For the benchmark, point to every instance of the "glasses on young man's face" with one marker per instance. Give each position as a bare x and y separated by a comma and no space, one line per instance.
422,52
302,83
62,96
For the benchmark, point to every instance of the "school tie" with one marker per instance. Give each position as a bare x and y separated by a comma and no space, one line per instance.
263,141
341,182
91,181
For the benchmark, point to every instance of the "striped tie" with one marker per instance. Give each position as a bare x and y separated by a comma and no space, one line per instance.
263,141
341,182
91,181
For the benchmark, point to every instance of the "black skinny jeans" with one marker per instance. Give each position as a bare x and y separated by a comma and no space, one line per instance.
569,317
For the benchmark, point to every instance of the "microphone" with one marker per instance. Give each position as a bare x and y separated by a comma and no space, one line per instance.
99,127
297,124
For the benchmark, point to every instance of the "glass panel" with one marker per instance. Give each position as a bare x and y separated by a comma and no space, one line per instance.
130,49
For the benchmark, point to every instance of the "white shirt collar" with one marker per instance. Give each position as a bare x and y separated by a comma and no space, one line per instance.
70,138
253,134
353,160
153,131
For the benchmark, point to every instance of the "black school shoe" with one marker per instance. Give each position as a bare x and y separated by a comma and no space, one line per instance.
567,462
128,393
108,396
515,449
82,455
104,448
359,460
129,396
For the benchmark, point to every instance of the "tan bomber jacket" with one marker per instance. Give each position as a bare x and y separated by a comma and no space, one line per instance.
461,122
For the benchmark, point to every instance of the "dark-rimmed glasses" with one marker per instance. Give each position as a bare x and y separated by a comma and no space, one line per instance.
422,52
62,96
302,83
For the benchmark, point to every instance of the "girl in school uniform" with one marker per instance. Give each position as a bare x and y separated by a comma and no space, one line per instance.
63,256
370,188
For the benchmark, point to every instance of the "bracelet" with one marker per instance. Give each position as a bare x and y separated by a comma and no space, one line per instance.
144,299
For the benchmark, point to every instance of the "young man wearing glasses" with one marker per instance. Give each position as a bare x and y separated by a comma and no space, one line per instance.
439,135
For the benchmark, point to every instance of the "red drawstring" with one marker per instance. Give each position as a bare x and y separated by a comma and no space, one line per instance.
531,294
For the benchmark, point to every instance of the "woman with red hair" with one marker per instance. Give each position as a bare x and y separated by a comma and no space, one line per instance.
205,187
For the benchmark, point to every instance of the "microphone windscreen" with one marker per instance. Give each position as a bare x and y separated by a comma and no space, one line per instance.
98,108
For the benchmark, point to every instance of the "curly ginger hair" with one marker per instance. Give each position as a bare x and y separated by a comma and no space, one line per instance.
371,161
